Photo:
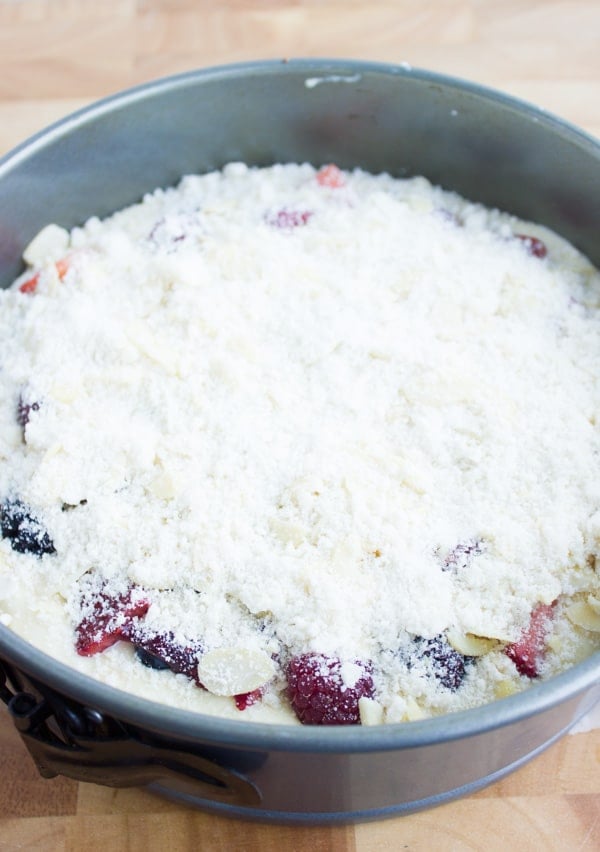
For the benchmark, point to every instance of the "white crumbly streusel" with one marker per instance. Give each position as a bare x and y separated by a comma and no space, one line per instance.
348,415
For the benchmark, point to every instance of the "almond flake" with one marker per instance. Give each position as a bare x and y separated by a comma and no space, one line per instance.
232,671
583,615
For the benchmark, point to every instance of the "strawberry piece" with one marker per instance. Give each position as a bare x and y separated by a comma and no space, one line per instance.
534,246
319,694
331,176
528,652
247,699
289,218
110,619
62,267
30,286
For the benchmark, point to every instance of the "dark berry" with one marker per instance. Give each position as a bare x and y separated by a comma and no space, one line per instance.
528,652
24,410
462,555
318,693
534,246
25,533
447,665
108,618
163,651
152,661
288,218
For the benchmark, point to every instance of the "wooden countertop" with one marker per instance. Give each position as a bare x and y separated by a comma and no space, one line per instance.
58,55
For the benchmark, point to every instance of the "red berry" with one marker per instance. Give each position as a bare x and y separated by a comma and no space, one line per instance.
534,246
30,286
331,176
288,218
318,693
528,652
108,619
247,699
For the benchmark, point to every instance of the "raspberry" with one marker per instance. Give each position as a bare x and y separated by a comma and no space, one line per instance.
447,665
247,699
162,651
331,176
109,618
528,652
319,694
288,219
534,246
25,533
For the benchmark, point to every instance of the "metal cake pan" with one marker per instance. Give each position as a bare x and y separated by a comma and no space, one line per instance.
488,147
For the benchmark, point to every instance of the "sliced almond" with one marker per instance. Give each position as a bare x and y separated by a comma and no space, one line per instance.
233,671
49,244
163,486
581,614
594,602
555,643
371,711
414,711
469,644
504,688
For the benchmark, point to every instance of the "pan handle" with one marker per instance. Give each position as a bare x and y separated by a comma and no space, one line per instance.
66,738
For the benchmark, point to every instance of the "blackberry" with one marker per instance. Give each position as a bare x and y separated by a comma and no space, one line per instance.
152,661
162,651
25,533
24,410
447,665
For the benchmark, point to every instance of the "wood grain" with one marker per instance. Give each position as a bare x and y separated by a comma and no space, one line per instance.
58,55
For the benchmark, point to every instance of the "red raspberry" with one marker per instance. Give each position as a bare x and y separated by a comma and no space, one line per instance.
331,176
109,619
534,246
247,699
318,693
528,652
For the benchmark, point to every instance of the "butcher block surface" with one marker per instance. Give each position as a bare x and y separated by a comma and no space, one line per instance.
59,55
